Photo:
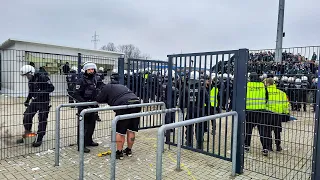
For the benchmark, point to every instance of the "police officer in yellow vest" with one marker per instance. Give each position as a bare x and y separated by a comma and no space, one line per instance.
278,105
213,92
256,112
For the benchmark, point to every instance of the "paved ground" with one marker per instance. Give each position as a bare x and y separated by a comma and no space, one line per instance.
140,166
293,163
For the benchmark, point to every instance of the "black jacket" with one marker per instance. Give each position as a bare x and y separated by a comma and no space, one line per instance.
40,87
115,95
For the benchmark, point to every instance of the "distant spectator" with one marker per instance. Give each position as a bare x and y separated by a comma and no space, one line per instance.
314,56
66,68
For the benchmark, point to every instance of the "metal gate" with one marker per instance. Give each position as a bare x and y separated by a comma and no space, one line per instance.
282,147
226,75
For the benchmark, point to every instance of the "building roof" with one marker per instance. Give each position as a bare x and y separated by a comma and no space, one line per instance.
10,42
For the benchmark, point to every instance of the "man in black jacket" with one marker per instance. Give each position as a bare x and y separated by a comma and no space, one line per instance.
116,95
86,90
40,87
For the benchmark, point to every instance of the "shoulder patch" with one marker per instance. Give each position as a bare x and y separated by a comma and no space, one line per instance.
77,86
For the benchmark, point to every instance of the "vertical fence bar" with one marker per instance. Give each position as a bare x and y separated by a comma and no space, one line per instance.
79,63
239,98
169,95
316,144
121,70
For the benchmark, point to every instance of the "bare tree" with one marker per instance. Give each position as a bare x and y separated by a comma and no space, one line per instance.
109,47
130,50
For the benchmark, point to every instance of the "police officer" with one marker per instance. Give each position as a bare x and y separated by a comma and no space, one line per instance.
297,95
71,78
40,87
101,73
255,116
86,91
305,91
193,99
116,95
278,105
170,118
114,77
212,88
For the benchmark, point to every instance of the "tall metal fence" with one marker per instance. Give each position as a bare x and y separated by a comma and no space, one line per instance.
278,140
14,92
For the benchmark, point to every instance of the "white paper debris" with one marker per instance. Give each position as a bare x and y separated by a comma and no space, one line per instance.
35,169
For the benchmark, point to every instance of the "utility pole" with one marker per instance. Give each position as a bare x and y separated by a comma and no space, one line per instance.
95,40
280,33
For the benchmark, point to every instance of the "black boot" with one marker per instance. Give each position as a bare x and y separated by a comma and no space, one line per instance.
37,142
85,150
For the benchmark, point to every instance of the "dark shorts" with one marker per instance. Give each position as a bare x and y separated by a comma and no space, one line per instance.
129,124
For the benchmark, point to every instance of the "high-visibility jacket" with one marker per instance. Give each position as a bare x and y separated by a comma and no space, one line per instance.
256,96
213,97
146,76
277,100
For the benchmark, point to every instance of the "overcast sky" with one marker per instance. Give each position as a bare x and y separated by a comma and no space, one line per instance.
161,27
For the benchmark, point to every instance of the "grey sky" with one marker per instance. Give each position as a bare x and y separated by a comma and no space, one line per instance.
161,27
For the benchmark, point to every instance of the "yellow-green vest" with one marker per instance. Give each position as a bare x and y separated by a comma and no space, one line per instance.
277,100
146,76
213,97
256,96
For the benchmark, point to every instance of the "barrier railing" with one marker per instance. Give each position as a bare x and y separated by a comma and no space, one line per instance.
57,131
91,110
129,116
179,125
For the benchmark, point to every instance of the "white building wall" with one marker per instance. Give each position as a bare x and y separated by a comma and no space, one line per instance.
15,85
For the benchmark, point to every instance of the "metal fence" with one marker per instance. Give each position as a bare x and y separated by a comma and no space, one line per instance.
226,74
282,140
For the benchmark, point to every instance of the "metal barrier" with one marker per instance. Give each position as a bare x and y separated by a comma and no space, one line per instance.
129,116
162,129
57,135
85,111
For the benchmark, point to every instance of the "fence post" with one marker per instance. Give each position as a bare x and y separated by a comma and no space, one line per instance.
121,70
239,97
169,96
79,63
316,142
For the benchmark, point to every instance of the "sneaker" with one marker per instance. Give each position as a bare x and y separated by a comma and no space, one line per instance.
128,152
119,154
265,152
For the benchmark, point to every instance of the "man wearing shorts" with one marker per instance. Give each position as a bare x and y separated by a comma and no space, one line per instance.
117,95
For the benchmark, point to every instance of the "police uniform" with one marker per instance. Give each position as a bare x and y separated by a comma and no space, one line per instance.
86,91
255,116
71,78
214,108
40,87
194,99
278,105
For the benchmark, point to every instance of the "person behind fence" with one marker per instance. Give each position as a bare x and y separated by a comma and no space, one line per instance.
71,78
256,97
278,106
116,95
40,87
193,99
212,88
86,91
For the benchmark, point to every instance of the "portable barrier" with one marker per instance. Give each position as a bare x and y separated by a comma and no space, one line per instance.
179,125
91,110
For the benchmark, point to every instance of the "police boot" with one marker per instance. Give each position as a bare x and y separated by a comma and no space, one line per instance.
37,142
85,149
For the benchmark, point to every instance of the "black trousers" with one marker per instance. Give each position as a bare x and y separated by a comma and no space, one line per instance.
43,112
199,128
90,120
260,120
